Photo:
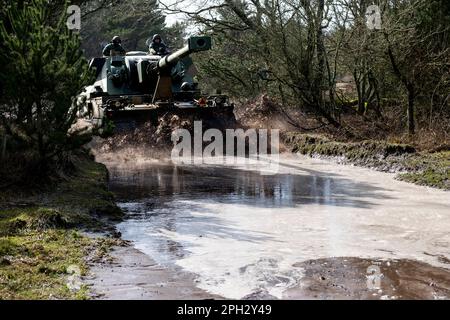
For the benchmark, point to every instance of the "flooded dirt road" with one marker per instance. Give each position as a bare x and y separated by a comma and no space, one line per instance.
313,230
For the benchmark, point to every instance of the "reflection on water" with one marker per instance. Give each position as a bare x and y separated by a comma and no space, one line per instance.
241,232
160,184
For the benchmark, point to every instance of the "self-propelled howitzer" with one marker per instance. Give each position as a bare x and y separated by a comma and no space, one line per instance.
142,82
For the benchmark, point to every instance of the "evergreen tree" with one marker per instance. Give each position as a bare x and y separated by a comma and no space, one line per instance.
43,70
135,21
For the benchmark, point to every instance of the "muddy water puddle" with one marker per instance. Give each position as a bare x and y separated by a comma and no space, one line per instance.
244,233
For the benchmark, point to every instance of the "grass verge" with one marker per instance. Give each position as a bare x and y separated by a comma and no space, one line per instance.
42,250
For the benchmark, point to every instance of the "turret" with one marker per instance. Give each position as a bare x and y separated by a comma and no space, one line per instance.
163,90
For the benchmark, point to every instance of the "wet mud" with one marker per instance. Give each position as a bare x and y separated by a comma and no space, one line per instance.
355,278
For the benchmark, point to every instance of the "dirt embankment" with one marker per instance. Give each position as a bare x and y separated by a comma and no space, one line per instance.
306,135
43,246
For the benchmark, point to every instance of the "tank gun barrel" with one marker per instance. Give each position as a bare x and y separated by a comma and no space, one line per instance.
195,44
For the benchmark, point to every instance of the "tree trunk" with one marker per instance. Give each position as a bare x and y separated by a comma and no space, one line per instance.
320,54
410,110
3,154
409,87
39,130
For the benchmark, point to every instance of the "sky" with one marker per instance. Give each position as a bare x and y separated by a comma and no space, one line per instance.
171,18
186,5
